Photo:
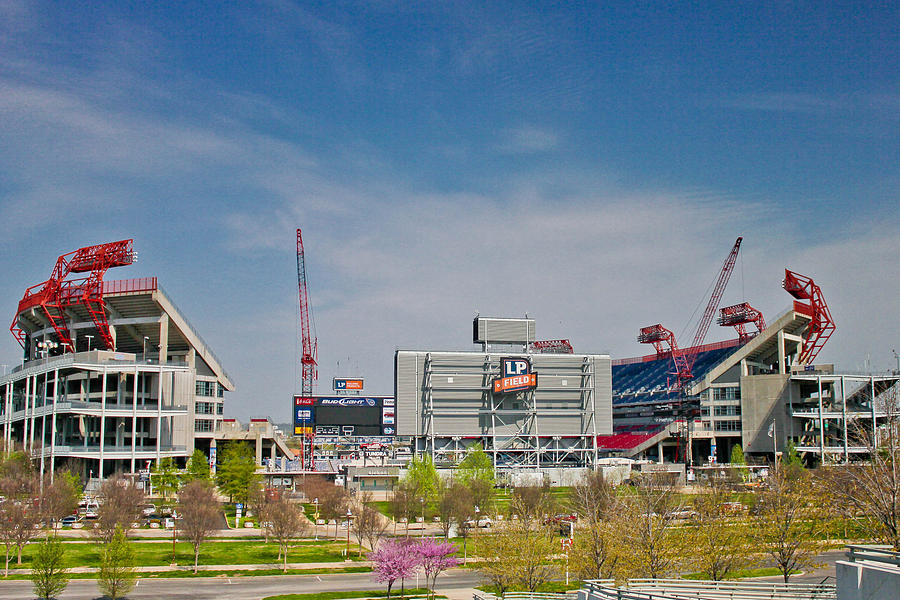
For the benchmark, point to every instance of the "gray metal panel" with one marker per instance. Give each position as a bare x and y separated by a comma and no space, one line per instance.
492,330
407,383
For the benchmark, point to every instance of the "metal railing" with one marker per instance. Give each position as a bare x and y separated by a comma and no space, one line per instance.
679,589
873,554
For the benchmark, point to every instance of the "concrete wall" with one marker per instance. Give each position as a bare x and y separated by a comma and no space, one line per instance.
763,398
867,581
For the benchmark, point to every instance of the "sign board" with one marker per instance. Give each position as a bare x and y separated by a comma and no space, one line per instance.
515,376
342,385
343,415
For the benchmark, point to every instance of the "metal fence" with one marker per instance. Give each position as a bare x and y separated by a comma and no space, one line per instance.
683,589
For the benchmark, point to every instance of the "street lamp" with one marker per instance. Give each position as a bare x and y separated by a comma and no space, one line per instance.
349,516
422,500
316,522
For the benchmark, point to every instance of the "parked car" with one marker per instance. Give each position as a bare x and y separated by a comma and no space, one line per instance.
69,520
483,522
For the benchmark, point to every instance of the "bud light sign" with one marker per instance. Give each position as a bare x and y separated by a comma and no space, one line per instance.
515,376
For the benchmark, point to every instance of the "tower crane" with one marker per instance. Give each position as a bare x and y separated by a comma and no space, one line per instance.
58,293
309,350
684,359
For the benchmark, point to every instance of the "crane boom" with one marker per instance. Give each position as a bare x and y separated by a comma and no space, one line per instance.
308,345
309,348
713,304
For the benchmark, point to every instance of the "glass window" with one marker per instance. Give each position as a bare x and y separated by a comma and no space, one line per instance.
203,425
206,388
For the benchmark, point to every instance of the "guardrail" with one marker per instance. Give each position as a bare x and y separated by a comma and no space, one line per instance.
882,555
679,589
526,596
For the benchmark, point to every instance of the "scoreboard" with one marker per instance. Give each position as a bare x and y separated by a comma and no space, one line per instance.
344,415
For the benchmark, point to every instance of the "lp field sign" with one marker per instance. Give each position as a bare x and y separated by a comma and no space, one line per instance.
515,376
345,385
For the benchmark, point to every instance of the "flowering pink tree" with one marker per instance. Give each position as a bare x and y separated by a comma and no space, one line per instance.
435,557
393,560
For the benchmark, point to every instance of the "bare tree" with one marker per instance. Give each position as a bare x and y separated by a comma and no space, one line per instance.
719,540
60,498
286,525
333,499
120,505
532,503
517,554
655,549
597,546
369,526
873,487
789,517
200,514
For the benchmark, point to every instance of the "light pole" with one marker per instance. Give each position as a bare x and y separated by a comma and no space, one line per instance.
146,339
349,517
422,500
316,522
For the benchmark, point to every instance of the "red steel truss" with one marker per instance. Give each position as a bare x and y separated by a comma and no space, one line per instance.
552,347
56,294
309,351
738,316
822,326
661,337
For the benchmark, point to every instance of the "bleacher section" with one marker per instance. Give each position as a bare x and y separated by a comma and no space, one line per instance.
639,385
646,379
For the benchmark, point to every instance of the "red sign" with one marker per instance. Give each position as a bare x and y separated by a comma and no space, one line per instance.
302,401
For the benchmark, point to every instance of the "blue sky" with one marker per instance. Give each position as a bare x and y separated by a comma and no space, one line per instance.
588,165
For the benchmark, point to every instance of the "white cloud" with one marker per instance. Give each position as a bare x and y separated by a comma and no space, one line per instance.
528,139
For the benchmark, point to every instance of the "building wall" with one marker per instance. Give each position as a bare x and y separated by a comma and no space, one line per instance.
763,399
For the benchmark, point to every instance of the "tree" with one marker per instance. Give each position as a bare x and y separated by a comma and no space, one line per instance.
422,478
654,548
435,557
532,503
476,465
719,541
60,498
462,511
393,560
597,547
236,474
333,500
197,468
788,519
403,503
165,480
873,487
368,526
517,554
49,575
117,574
120,506
19,507
199,512
285,524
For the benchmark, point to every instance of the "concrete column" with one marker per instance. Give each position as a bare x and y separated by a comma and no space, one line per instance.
821,422
781,366
874,420
7,433
134,395
112,333
159,403
163,339
102,421
43,426
659,450
34,384
258,449
25,413
53,425
844,415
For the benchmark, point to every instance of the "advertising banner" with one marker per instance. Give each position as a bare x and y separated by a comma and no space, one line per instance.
515,376
341,385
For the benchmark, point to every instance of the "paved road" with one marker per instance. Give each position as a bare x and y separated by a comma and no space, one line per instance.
455,584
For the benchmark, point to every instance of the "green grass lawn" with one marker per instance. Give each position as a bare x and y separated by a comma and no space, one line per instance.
148,554
217,573
742,573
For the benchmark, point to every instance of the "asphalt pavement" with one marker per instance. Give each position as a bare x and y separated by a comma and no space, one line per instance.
456,584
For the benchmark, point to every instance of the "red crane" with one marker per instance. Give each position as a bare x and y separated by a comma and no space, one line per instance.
56,294
684,359
738,316
822,326
309,350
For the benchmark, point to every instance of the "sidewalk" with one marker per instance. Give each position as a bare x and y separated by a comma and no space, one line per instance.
190,567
